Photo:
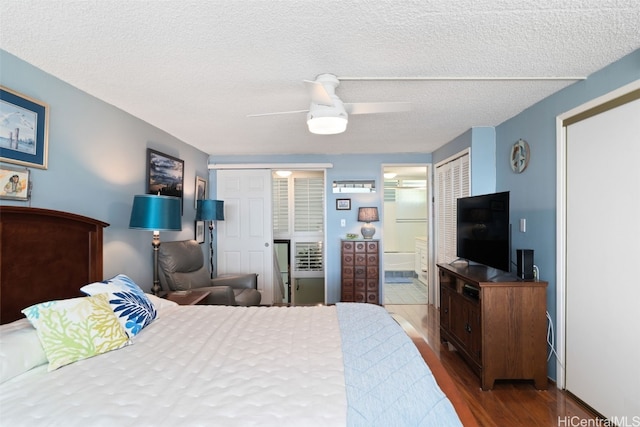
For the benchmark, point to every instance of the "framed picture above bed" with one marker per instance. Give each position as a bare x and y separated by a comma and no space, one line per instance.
23,130
165,174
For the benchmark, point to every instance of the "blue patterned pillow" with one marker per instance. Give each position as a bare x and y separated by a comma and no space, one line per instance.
132,307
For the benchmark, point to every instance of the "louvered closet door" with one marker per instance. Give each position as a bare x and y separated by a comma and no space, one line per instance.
602,253
452,181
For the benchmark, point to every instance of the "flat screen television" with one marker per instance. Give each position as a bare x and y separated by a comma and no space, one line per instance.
483,230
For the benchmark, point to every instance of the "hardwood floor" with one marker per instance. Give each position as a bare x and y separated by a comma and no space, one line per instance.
510,403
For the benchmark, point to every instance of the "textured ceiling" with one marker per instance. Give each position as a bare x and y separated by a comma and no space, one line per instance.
196,69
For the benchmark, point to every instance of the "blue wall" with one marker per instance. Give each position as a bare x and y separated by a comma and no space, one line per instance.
483,160
533,192
97,156
345,167
482,142
459,143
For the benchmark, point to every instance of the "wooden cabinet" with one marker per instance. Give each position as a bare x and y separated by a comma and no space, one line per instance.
465,325
360,271
496,322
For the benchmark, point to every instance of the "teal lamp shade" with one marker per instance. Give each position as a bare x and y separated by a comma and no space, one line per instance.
159,213
210,210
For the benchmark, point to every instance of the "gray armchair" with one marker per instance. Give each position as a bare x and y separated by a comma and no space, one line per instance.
181,267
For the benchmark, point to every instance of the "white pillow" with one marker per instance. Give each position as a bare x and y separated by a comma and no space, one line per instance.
20,349
160,303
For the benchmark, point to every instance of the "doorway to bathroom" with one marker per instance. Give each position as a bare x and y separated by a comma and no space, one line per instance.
406,257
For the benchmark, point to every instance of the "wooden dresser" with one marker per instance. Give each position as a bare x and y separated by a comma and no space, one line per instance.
360,271
498,324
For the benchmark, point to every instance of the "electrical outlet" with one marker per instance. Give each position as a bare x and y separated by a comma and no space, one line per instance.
343,222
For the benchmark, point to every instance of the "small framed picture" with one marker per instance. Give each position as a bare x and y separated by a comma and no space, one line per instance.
199,231
23,130
14,183
343,204
201,190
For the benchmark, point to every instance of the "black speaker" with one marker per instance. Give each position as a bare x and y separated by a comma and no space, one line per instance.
525,263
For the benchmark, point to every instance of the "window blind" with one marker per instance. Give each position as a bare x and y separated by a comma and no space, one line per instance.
308,256
280,196
308,205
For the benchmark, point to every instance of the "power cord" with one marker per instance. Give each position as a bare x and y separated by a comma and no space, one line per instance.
551,340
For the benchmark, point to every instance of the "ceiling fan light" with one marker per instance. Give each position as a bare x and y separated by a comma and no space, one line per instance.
327,125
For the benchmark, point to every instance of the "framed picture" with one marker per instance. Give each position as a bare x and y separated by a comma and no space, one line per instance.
343,204
199,231
165,174
14,183
23,130
201,190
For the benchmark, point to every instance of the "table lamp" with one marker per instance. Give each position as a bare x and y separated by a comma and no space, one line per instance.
156,213
212,211
368,215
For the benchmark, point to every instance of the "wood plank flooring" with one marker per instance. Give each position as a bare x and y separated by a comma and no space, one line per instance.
510,403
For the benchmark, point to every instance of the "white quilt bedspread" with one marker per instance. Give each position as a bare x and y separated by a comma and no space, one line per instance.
197,365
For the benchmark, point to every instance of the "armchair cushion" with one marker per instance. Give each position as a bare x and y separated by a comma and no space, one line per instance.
220,295
237,281
181,266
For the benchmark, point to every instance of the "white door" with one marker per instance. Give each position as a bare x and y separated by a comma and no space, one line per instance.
452,180
245,237
602,251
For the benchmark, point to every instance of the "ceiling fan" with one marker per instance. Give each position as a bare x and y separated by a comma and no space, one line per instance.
328,115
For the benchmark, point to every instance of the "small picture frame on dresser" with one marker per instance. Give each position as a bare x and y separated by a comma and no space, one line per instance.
343,204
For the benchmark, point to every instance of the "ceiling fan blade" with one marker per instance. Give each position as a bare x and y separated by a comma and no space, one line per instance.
376,107
318,93
278,113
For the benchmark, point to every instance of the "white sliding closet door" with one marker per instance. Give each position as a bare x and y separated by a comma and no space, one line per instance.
602,256
245,237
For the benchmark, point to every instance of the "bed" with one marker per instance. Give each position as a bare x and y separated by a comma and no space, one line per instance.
344,364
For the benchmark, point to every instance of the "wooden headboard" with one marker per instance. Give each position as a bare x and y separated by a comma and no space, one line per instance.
45,255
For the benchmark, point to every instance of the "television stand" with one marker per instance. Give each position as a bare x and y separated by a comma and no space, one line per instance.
498,324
